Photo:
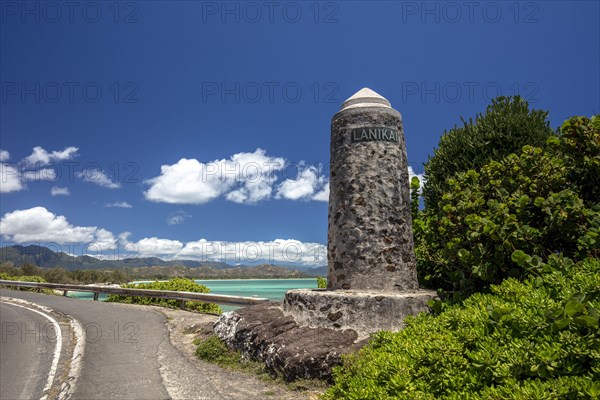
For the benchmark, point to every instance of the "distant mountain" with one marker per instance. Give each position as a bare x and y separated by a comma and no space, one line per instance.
46,258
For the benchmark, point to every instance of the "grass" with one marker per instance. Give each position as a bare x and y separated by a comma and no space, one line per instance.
215,351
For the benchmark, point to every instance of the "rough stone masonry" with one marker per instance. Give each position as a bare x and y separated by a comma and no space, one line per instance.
372,282
370,244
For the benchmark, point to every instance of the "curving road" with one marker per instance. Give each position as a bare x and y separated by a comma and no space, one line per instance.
27,349
128,354
122,349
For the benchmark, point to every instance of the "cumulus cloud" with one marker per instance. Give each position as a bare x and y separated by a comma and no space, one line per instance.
243,178
59,191
40,156
323,195
97,177
119,204
10,178
155,247
37,224
44,174
309,184
14,176
276,251
178,217
4,155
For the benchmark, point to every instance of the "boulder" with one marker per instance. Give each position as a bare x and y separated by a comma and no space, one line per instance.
264,333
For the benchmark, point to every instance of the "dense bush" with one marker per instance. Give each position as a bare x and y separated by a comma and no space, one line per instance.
175,284
492,224
507,125
321,282
25,278
580,145
536,339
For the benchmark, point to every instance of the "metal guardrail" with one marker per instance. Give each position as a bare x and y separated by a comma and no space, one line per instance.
161,294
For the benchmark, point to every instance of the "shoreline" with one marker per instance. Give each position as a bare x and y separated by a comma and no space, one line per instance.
232,279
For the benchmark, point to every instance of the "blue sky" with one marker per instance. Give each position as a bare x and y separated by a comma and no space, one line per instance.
201,129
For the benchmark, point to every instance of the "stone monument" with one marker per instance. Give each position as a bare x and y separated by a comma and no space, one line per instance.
370,244
372,280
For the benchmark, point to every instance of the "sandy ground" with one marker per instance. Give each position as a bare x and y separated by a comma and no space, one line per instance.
185,326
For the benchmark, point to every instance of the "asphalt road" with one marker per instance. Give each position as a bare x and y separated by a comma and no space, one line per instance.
26,352
121,350
128,355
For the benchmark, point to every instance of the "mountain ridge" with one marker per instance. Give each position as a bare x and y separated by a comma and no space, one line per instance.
44,257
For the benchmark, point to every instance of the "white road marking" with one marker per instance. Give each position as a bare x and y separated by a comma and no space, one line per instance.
68,387
57,348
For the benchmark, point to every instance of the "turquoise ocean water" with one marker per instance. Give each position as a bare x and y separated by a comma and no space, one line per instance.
273,289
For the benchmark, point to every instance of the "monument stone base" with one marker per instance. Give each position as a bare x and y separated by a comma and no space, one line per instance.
364,312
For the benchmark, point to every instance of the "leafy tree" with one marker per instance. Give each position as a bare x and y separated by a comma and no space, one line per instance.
29,269
415,186
507,125
58,275
580,145
494,223
9,268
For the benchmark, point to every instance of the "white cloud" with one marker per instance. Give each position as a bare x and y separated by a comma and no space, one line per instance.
44,174
276,251
155,247
243,178
98,177
323,195
40,156
4,155
307,185
14,176
37,224
10,178
177,218
119,204
59,191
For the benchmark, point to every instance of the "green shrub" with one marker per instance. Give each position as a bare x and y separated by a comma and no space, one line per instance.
506,126
25,278
214,350
175,284
321,282
580,144
536,339
22,278
490,222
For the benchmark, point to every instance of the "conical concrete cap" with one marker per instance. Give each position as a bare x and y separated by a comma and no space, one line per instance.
366,97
